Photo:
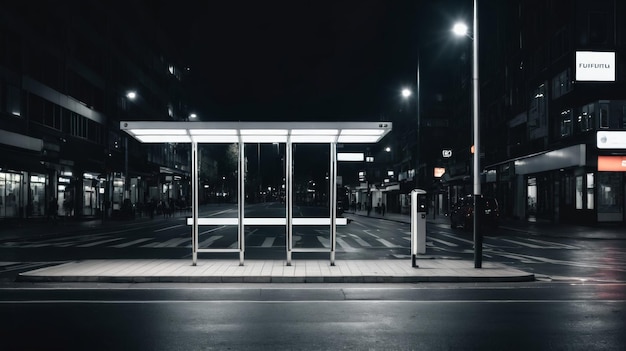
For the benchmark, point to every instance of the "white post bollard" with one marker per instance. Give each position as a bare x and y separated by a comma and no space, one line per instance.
418,224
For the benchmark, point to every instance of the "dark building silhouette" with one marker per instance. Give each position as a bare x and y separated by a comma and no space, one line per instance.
66,69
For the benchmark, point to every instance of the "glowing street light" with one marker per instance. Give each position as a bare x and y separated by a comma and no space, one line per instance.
131,95
406,92
460,29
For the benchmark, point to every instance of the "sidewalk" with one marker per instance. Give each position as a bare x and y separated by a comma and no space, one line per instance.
275,271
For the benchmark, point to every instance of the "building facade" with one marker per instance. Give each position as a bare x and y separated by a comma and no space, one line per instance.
562,88
67,72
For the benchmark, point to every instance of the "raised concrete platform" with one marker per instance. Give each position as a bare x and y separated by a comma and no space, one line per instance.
273,271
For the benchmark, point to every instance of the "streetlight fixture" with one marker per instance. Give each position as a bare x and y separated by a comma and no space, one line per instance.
406,92
131,95
461,29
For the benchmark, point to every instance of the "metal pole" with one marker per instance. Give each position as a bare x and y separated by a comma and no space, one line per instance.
194,201
419,127
240,203
414,228
475,112
333,200
289,200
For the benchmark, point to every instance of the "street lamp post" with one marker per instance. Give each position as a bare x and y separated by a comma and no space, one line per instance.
461,29
406,93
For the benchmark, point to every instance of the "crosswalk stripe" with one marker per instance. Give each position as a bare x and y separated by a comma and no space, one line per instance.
552,244
324,241
100,242
209,241
167,228
387,243
360,241
268,242
174,242
532,246
444,242
345,246
130,243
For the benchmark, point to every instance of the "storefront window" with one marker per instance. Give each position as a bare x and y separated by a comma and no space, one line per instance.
37,200
610,190
532,196
579,192
10,194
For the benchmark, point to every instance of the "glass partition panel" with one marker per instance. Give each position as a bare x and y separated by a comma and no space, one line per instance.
217,196
311,194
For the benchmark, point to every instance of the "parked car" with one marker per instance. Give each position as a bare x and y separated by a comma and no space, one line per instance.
462,213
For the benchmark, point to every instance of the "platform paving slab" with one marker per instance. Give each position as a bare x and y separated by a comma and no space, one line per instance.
275,271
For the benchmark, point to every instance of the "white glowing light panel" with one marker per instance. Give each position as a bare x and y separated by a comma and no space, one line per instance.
595,66
256,132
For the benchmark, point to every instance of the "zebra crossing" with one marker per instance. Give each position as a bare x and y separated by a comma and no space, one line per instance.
350,241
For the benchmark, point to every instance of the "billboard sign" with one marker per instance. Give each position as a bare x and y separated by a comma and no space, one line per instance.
595,66
612,163
611,139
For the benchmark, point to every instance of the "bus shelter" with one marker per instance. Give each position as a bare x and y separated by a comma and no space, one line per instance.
289,133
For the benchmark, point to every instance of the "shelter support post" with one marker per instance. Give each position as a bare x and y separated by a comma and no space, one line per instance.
194,201
333,201
289,199
240,204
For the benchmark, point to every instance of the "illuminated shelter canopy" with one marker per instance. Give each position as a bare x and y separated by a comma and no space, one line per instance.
290,133
257,132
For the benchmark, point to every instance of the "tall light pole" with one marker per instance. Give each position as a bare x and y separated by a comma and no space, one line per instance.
406,93
461,29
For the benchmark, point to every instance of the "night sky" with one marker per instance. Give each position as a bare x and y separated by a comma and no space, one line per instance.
309,60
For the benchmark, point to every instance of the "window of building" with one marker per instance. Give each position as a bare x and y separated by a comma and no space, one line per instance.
13,101
610,199
586,118
604,115
561,84
566,123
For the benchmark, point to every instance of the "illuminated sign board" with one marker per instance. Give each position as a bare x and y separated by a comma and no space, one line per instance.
439,172
612,163
611,139
595,66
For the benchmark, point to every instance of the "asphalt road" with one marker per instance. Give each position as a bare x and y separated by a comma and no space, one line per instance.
534,316
549,258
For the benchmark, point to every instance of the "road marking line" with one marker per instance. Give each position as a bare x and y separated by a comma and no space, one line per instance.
532,246
444,242
211,230
268,242
345,246
209,241
100,242
171,227
174,242
119,246
387,243
359,240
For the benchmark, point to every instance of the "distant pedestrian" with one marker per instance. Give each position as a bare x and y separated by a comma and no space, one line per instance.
382,209
369,208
